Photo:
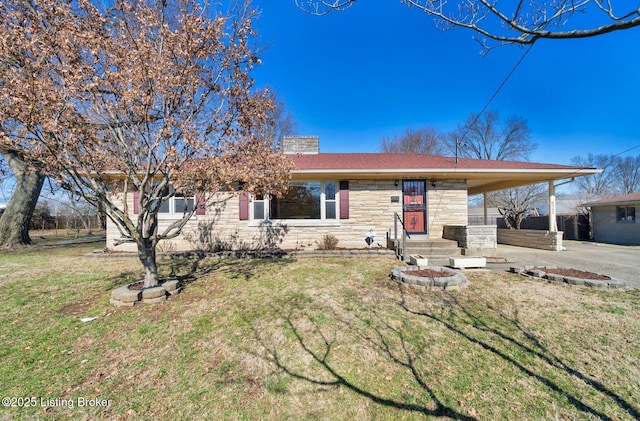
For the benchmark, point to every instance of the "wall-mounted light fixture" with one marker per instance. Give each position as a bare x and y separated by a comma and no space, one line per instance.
397,182
433,183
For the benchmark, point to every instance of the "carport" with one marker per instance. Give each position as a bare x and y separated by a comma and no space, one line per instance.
553,175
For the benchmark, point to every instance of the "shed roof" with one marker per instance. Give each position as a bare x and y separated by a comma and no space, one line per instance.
616,200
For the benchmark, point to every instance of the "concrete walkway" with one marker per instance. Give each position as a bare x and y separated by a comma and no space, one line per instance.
619,262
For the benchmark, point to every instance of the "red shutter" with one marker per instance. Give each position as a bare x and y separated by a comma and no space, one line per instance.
201,204
244,206
344,200
136,198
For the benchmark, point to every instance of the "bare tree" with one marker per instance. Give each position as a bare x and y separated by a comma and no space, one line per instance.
425,141
517,22
74,207
280,121
483,137
152,97
626,174
515,204
41,215
599,185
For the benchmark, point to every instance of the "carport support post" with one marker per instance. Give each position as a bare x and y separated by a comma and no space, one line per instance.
484,205
553,225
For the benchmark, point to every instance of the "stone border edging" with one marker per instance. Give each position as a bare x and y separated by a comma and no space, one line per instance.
125,297
278,254
539,273
342,253
456,281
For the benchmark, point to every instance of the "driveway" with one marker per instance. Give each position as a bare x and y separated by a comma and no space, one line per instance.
619,262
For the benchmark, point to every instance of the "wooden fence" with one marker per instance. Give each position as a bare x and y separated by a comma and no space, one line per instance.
575,227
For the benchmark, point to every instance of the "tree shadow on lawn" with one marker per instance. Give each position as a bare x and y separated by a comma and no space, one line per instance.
200,266
493,330
401,356
197,266
460,315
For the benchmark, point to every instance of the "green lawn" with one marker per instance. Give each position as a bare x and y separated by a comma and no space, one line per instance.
326,338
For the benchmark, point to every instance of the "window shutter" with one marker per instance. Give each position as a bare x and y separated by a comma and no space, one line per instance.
201,204
344,200
244,206
136,198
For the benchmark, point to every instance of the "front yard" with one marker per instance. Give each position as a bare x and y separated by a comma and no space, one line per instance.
315,338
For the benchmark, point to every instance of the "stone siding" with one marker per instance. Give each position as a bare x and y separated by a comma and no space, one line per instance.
447,205
370,208
537,239
475,240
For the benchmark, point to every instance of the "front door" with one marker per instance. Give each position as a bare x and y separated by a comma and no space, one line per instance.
414,206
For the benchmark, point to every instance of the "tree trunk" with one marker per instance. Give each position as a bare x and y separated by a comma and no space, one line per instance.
147,255
14,222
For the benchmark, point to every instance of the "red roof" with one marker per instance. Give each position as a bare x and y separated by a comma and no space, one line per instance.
387,161
625,198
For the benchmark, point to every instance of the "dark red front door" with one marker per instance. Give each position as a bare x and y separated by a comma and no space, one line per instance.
414,206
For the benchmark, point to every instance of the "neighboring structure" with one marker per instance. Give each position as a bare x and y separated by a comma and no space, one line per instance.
613,220
349,196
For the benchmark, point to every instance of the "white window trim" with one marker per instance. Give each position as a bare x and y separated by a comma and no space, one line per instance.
172,214
322,222
626,220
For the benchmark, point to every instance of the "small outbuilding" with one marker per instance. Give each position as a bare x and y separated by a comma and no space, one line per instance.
613,220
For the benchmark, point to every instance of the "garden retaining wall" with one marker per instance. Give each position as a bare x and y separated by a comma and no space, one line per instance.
543,240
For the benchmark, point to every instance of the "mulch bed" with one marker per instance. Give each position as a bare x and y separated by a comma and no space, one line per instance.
429,273
577,274
136,286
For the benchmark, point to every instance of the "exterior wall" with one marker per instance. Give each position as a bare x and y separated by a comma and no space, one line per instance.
475,240
606,229
535,239
370,207
447,205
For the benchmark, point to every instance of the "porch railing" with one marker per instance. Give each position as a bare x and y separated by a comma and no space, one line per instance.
405,235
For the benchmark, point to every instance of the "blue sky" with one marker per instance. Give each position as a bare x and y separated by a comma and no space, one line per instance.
356,76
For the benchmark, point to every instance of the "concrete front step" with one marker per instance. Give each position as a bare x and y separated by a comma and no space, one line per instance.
432,254
432,243
440,249
432,250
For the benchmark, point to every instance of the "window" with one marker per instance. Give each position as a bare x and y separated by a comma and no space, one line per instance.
626,214
304,200
179,203
260,207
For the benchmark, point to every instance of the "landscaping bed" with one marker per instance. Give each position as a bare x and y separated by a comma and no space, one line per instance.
434,277
571,276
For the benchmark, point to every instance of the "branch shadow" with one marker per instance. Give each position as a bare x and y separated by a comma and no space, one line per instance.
535,348
492,329
403,357
207,236
193,266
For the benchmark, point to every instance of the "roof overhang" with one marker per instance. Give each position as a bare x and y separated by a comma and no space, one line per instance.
478,180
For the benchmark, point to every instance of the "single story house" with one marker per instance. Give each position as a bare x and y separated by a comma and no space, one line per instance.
613,220
351,196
